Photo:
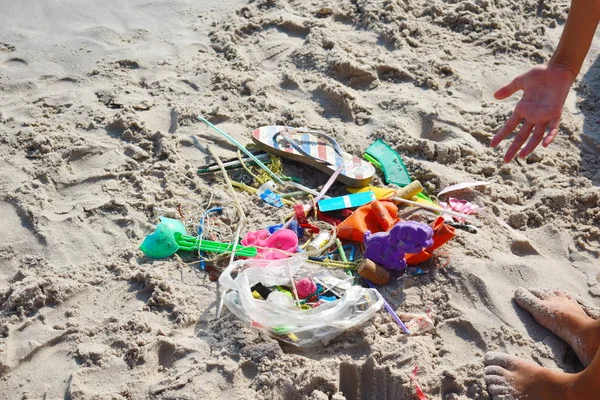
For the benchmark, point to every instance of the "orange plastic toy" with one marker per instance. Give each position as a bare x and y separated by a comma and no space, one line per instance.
442,233
377,216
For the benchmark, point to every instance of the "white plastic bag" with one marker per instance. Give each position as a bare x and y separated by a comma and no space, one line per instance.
293,325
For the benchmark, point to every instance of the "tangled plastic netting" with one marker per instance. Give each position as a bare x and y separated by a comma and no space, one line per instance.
259,175
203,219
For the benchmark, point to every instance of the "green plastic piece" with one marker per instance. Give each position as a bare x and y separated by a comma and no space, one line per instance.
162,243
372,160
191,243
169,237
392,166
423,196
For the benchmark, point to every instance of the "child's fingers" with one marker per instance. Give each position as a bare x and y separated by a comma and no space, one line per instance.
552,132
509,126
536,138
508,90
521,137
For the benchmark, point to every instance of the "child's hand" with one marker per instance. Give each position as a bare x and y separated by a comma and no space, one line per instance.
545,89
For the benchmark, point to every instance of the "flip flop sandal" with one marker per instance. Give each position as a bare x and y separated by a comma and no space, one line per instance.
316,149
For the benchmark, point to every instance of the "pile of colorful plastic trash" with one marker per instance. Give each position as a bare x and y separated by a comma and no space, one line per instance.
313,276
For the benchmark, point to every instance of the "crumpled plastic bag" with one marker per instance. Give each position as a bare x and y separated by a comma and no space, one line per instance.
298,327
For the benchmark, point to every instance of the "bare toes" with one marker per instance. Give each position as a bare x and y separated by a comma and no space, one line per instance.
527,300
541,294
498,380
499,390
499,359
494,370
504,397
559,293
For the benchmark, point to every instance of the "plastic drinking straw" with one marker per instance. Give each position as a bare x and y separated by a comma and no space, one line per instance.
289,271
338,242
292,194
305,189
390,309
256,160
432,208
233,164
372,160
241,222
320,195
242,148
329,288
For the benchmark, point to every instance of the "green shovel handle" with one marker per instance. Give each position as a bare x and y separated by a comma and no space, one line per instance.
191,243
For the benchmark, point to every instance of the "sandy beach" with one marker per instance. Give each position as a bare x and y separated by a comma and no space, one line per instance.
99,138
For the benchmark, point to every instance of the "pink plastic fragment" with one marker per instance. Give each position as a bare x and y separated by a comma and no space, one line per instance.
461,206
305,287
281,244
418,323
420,393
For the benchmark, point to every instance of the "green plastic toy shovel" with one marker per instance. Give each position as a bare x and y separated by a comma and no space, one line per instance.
170,236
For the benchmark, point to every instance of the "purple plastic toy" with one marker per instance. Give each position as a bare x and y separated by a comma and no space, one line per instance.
389,248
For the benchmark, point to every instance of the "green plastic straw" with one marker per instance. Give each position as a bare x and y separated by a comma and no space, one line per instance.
341,250
234,164
292,194
242,148
372,160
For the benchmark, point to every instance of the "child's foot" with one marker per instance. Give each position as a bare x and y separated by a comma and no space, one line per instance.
509,378
562,315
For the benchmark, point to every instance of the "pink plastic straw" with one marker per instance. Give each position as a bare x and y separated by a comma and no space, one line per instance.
390,309
308,207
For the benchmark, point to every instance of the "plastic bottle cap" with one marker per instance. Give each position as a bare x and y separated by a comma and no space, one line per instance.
269,185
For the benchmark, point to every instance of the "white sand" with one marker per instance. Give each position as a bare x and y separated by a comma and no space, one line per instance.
97,133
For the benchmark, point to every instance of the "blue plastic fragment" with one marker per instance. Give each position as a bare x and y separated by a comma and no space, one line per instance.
413,271
347,201
352,251
271,198
328,298
201,232
274,228
294,226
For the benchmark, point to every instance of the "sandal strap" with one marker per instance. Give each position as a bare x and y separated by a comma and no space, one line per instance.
285,134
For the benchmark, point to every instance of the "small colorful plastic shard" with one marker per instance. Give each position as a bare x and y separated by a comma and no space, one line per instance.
293,225
267,193
348,201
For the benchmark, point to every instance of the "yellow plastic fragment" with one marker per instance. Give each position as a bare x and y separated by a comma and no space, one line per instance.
380,193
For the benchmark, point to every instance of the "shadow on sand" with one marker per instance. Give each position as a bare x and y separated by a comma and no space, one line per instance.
589,104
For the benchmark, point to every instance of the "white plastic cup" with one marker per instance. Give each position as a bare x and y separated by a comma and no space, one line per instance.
281,299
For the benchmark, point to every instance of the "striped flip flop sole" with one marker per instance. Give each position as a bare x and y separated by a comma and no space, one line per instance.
356,171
